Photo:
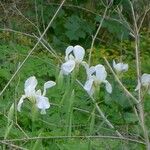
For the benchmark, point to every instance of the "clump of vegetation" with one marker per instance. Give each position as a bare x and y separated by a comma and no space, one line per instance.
93,55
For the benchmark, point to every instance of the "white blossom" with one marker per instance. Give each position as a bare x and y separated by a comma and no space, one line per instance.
120,67
68,67
145,82
95,76
74,56
34,96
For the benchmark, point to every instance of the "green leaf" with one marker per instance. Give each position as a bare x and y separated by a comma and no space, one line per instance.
130,117
77,28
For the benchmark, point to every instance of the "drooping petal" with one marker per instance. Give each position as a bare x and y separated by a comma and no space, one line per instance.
30,85
68,67
108,87
89,86
47,85
68,51
20,102
101,73
79,53
42,103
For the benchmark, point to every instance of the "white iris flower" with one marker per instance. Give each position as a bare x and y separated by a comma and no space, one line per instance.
95,76
74,56
145,82
120,67
34,96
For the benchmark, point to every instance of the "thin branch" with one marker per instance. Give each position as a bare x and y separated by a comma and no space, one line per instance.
77,137
18,32
50,49
43,41
12,145
16,125
142,20
101,113
92,12
93,40
124,20
22,15
18,69
120,83
36,13
138,69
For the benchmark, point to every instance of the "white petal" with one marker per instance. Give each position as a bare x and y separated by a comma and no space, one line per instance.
31,81
42,103
30,85
20,103
145,79
101,73
47,85
89,86
108,87
120,67
68,67
79,53
114,64
125,67
68,51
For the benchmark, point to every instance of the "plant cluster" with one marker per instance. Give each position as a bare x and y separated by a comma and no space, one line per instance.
90,98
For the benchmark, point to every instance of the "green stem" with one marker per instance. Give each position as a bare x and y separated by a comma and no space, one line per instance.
67,87
103,116
70,101
70,114
91,127
34,116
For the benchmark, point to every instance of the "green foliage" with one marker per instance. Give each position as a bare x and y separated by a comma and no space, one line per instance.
77,28
118,106
115,28
72,111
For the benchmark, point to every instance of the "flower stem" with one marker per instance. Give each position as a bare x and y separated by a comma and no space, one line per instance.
34,116
70,114
92,123
102,114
